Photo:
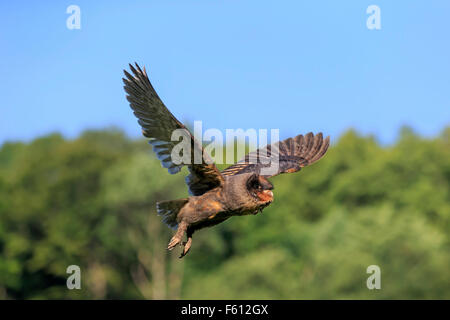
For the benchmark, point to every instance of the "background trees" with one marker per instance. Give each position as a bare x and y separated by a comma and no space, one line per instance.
91,202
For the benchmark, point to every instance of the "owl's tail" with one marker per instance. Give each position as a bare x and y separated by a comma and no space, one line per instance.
168,210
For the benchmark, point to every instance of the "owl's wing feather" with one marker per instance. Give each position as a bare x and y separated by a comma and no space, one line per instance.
291,155
158,124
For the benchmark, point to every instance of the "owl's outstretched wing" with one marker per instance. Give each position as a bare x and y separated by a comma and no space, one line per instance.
158,124
289,155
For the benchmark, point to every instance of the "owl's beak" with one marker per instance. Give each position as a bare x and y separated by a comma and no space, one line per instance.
268,192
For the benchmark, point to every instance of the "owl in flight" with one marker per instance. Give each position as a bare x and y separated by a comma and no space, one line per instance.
215,196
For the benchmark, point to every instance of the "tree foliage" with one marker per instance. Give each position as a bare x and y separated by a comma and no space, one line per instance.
91,202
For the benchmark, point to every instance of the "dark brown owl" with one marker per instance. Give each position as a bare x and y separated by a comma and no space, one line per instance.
240,189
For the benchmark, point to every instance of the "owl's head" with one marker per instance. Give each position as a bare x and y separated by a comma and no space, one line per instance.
260,188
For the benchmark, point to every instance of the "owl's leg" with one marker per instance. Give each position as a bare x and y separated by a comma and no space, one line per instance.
176,239
187,244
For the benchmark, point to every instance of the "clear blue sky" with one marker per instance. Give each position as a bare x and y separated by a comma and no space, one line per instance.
295,65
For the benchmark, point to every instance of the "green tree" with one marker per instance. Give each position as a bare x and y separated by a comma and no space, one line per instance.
90,201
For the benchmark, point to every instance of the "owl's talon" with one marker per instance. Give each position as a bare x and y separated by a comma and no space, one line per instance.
174,242
187,246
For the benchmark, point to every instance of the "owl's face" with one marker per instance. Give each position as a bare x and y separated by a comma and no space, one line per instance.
260,188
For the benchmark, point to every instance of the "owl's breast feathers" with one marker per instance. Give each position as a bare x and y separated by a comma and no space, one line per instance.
217,205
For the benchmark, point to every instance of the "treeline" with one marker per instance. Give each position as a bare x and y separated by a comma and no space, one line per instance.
91,202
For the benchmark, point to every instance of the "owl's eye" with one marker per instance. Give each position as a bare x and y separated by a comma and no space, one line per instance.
253,184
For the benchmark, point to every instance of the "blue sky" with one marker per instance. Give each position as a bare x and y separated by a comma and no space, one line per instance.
294,65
